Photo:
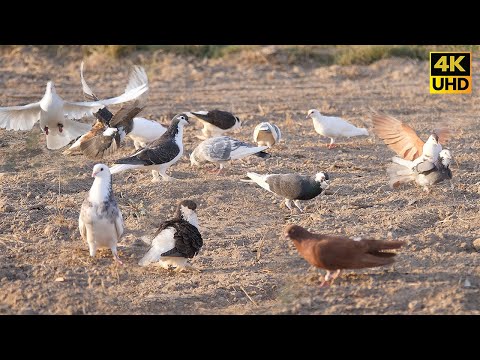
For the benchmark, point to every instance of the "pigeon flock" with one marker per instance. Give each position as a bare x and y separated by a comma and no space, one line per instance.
157,148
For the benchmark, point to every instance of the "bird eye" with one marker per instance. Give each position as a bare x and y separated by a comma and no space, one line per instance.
101,169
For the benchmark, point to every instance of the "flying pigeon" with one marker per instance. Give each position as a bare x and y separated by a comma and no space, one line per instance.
292,186
142,131
55,115
333,127
424,174
216,122
221,149
266,134
336,253
176,240
158,155
100,221
402,139
106,134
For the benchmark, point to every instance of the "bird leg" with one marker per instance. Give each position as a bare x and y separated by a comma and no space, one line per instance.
297,204
427,189
326,279
288,204
162,173
337,274
331,145
115,255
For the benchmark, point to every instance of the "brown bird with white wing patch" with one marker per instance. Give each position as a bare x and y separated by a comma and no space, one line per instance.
336,253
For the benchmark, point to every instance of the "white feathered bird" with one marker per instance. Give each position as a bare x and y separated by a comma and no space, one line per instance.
56,115
100,221
333,127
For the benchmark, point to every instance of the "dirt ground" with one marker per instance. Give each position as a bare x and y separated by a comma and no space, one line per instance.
248,267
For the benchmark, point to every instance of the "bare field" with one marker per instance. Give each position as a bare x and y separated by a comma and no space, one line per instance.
248,267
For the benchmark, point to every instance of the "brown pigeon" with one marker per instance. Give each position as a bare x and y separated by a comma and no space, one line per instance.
335,253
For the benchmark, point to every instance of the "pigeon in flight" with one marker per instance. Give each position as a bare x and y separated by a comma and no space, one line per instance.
100,221
142,131
107,133
56,115
292,187
333,127
266,134
216,122
402,139
158,155
336,253
222,149
176,240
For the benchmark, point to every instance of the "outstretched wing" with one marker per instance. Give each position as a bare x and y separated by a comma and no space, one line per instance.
398,136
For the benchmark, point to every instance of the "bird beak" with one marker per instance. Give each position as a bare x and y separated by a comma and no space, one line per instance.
94,174
306,117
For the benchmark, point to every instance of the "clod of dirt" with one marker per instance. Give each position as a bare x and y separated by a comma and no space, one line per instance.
476,244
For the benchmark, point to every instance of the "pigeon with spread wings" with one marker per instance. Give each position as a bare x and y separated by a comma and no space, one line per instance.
56,116
336,253
426,163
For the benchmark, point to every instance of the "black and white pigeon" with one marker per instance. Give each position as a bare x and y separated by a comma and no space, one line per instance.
292,187
56,116
216,122
176,240
158,155
142,131
424,174
222,149
266,134
100,221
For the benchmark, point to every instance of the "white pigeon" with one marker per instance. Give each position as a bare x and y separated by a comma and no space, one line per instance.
100,221
56,115
222,149
176,240
333,127
266,134
142,131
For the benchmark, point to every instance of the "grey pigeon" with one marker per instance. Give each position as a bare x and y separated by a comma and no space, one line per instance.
424,174
158,155
222,149
292,187
176,240
266,134
56,116
216,122
100,221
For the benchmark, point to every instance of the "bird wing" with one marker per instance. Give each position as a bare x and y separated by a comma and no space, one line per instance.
158,152
19,117
119,224
188,240
98,145
77,110
124,116
81,226
221,119
398,136
87,91
217,150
